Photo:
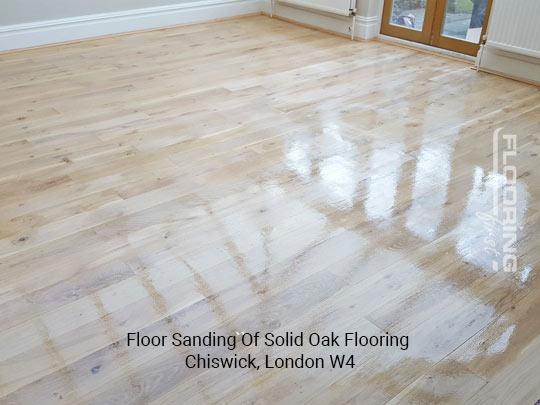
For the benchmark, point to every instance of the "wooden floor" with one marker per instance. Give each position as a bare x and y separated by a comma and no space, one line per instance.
255,175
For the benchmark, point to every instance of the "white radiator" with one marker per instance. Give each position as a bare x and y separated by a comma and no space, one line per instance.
341,7
514,26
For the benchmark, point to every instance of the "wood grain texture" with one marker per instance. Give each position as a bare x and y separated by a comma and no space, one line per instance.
255,175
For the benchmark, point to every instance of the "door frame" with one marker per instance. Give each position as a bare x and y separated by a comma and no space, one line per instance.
457,45
433,25
393,30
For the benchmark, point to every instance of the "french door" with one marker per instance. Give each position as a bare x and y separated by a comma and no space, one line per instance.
457,25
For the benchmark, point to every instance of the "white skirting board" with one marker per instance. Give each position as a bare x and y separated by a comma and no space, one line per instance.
69,29
520,66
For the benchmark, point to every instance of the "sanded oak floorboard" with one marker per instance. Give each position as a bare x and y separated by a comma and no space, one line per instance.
252,174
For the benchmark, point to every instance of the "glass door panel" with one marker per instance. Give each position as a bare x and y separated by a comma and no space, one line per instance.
464,20
409,14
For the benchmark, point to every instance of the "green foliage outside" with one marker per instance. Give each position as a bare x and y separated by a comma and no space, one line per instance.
460,6
453,6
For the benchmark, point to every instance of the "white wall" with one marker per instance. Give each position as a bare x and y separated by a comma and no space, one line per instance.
26,11
28,23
